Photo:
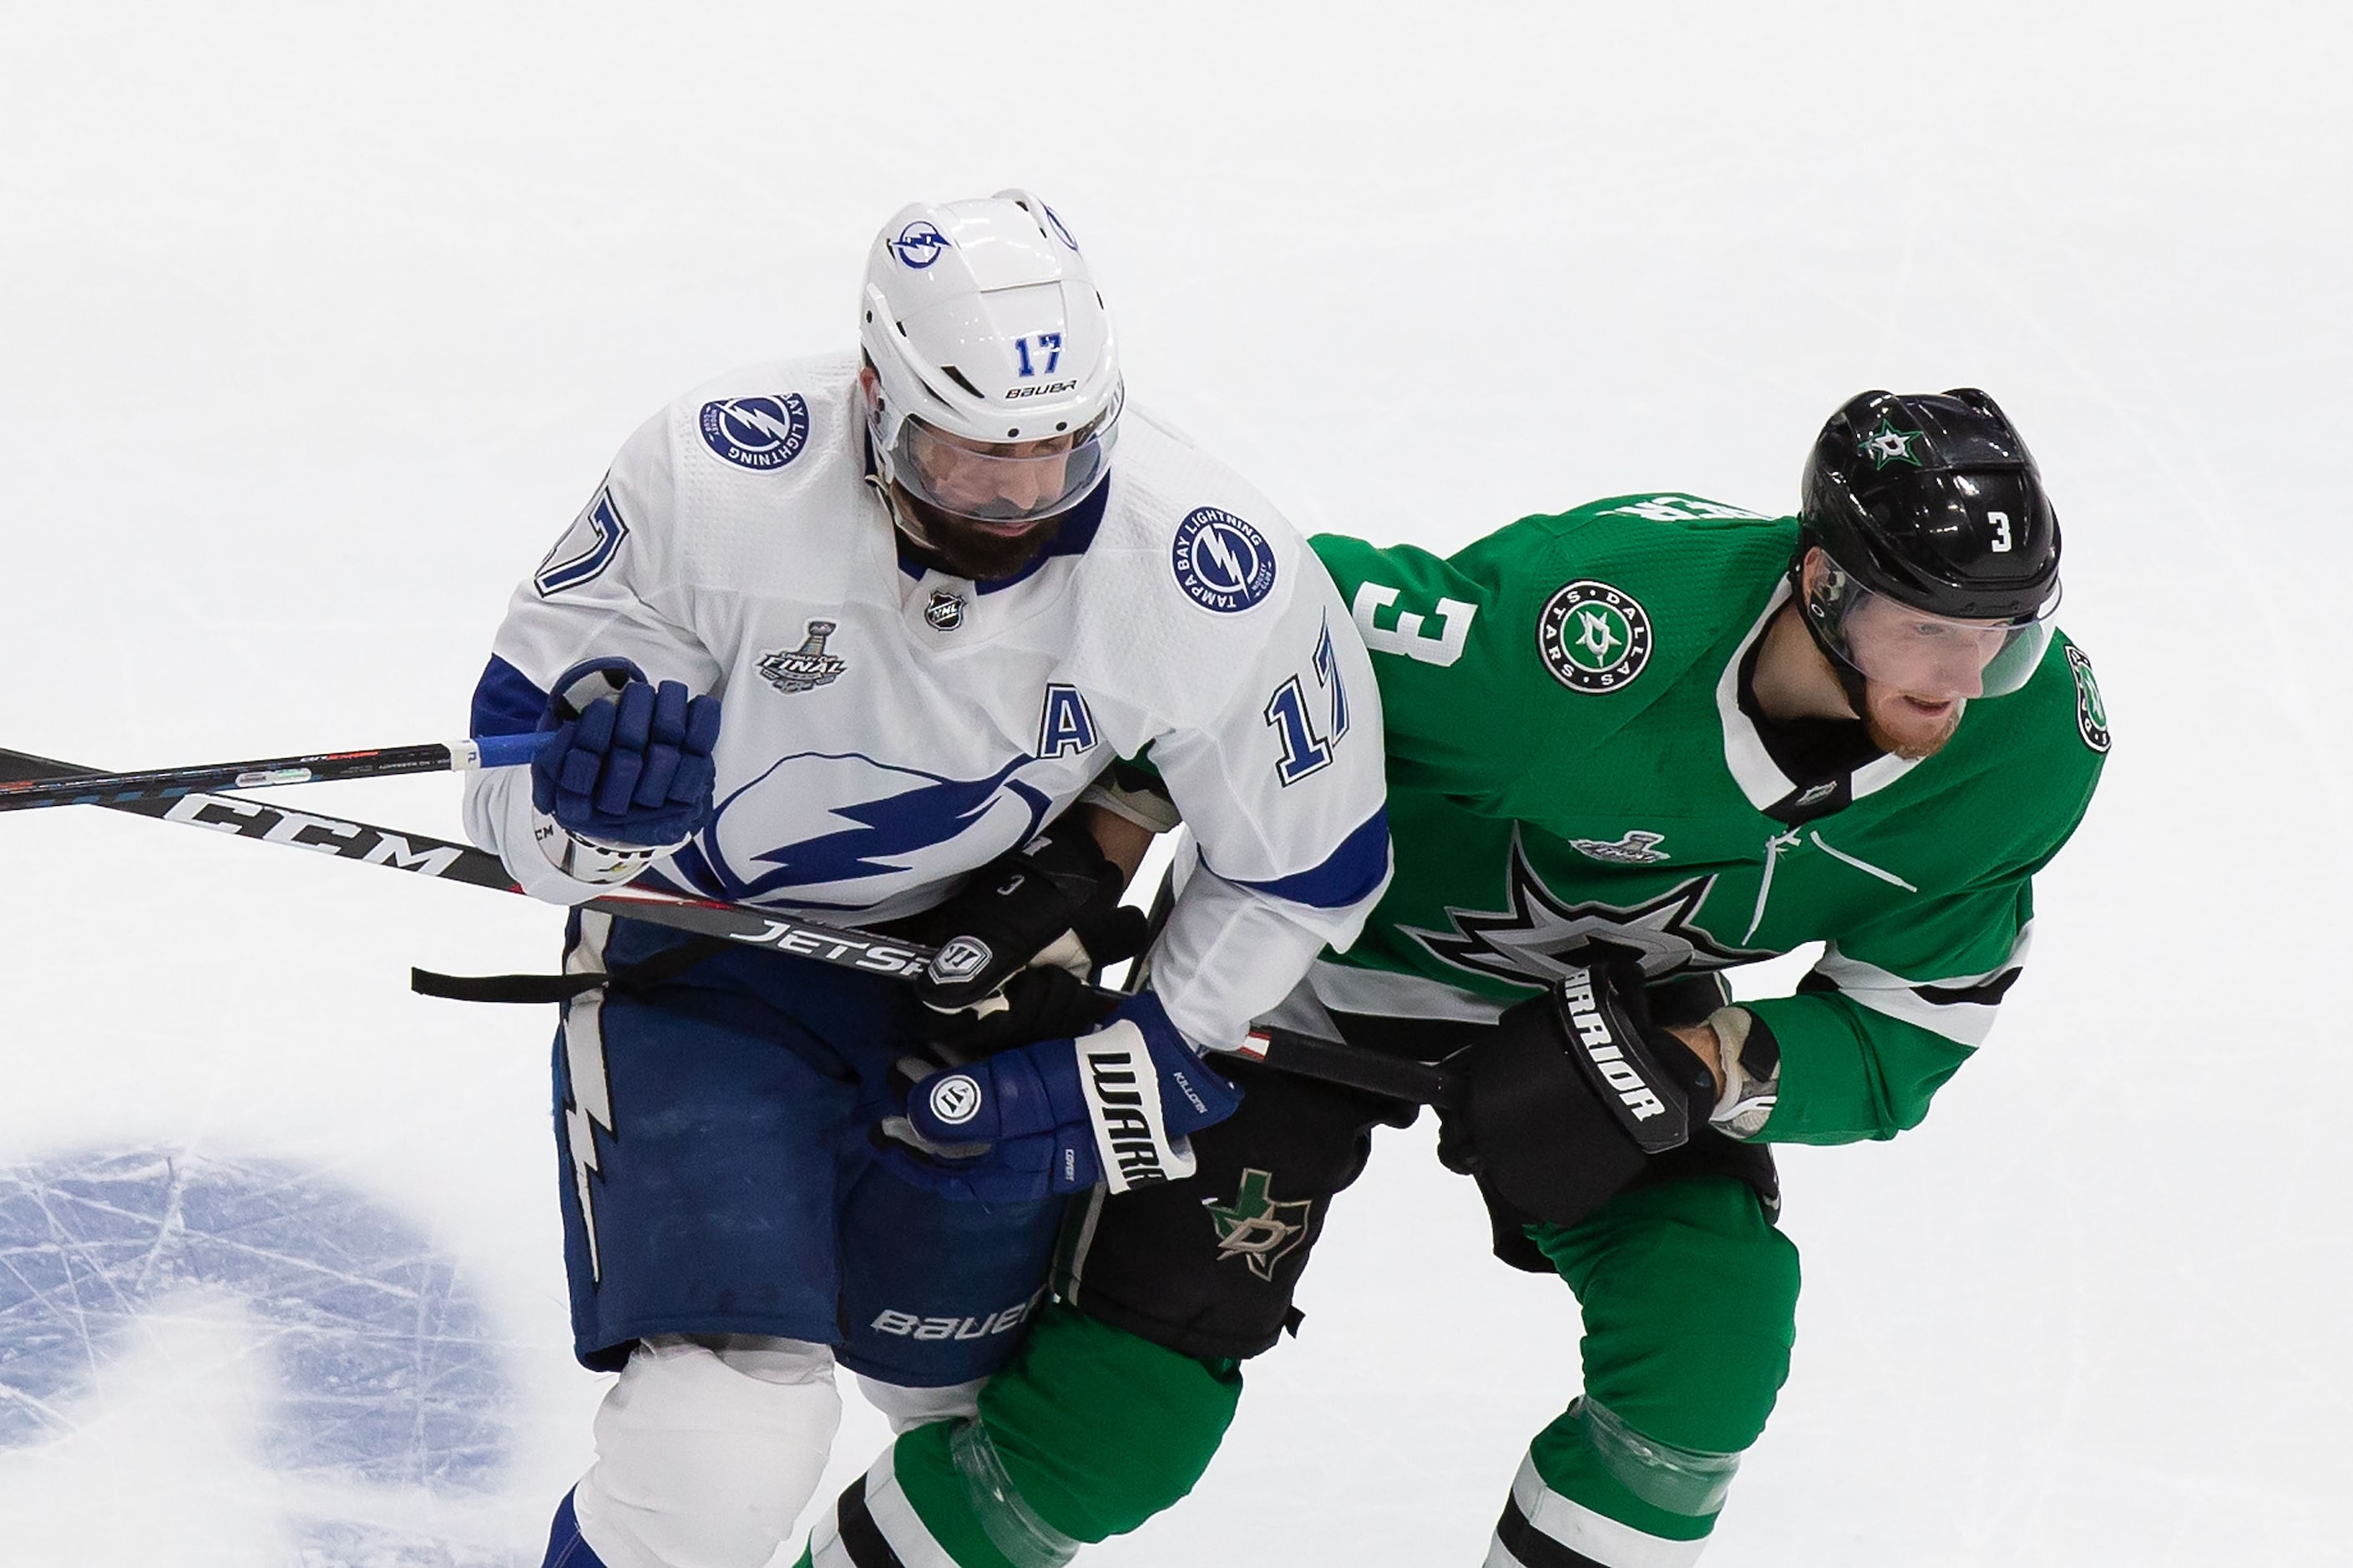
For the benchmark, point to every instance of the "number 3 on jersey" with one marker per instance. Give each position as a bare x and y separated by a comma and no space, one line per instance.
1304,750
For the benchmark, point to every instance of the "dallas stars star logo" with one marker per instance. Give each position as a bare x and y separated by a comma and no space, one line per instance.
1541,938
1254,1227
1888,444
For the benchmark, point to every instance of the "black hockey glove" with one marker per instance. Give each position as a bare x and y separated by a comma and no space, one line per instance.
1018,945
1572,1092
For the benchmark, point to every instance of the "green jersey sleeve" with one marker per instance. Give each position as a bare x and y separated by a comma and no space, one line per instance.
1898,1003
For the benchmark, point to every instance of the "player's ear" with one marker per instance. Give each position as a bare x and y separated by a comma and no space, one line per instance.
1810,575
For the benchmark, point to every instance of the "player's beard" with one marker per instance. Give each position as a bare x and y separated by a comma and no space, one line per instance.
1897,727
963,548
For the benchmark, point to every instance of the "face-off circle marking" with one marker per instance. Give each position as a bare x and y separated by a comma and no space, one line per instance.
955,1100
1594,638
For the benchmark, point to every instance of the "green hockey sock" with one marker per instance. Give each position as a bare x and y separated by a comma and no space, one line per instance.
1091,1432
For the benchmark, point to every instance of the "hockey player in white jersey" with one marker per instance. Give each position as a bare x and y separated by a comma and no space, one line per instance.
939,588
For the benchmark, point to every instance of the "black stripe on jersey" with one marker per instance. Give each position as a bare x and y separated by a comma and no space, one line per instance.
860,1536
1985,993
1532,1546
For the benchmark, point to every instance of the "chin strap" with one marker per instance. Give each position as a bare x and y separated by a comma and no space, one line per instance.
1852,681
910,527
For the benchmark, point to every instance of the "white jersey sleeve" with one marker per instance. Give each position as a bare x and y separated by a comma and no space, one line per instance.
603,591
1281,795
1268,734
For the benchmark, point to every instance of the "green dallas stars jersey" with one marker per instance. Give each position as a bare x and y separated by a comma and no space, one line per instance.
1568,758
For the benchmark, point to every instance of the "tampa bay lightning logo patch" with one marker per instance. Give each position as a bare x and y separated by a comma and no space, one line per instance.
757,432
918,243
1222,562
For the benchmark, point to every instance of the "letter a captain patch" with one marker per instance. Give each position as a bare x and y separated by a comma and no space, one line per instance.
1065,728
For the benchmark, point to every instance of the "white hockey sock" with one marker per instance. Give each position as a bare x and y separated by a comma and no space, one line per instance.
706,1450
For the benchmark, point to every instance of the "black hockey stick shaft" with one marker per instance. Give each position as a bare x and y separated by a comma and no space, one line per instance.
78,788
1283,1050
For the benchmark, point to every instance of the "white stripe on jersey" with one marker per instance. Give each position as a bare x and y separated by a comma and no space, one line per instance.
1956,1015
1394,993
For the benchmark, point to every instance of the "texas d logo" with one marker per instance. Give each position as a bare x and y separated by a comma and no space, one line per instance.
1254,1227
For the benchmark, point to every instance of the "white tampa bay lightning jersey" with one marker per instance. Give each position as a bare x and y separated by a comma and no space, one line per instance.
887,729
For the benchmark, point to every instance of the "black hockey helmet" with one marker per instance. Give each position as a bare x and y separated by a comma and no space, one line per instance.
1932,502
1935,501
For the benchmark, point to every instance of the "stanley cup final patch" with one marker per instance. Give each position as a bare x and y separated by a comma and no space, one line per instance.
1123,1092
1594,638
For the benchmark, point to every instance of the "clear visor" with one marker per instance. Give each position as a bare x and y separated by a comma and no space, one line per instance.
1929,656
1004,481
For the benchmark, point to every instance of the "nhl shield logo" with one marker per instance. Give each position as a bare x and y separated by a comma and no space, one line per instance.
1594,638
946,611
806,668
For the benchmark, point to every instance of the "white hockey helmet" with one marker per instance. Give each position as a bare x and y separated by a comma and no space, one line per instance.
983,327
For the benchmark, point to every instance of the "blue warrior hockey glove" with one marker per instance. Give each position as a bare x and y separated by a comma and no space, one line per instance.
1115,1106
629,762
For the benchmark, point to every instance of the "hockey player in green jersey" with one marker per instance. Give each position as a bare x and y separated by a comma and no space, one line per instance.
1629,746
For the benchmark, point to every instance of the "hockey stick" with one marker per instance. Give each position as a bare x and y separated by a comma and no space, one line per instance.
1283,1050
74,786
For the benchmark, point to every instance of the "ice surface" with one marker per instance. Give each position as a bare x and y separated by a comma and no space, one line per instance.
378,1400
318,323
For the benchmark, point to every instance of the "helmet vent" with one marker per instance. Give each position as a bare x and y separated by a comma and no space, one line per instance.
958,377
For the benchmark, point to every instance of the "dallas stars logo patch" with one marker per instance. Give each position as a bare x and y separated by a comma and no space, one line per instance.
1541,938
1254,1227
2091,713
1594,638
1888,444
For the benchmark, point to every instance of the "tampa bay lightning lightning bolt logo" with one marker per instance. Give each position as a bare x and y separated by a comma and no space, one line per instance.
1054,221
918,243
1221,562
898,828
757,432
1539,938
